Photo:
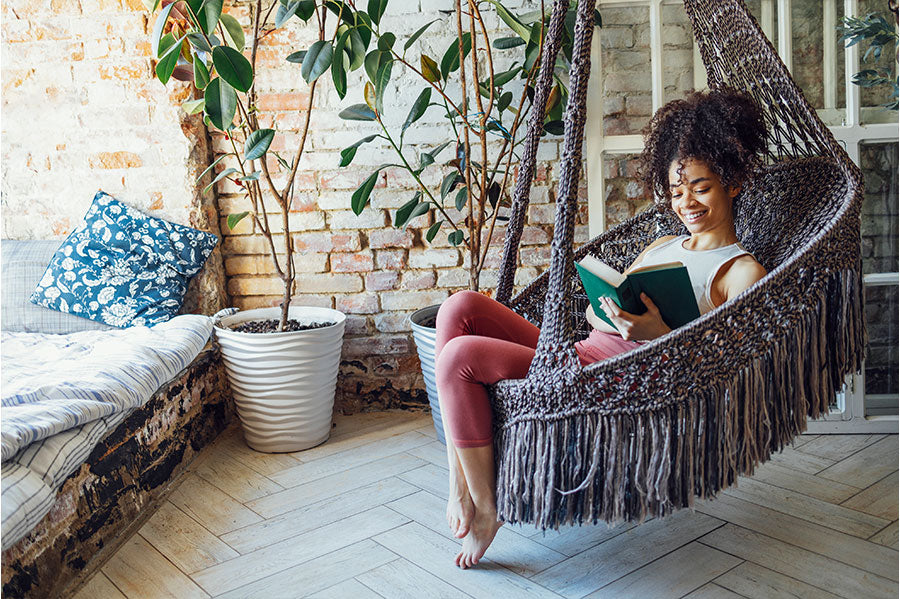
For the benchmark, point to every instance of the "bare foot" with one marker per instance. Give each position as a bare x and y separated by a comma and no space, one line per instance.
481,533
460,508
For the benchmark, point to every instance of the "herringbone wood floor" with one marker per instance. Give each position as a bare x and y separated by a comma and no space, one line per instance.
361,516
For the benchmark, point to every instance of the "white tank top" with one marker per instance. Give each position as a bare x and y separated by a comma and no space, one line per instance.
702,265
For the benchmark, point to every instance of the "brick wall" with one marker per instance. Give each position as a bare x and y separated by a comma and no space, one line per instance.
81,113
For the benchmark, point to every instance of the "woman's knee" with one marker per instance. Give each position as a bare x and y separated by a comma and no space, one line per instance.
458,306
453,359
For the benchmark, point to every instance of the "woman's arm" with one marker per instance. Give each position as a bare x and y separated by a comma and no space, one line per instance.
736,278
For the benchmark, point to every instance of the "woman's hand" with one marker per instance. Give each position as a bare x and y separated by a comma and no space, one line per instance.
636,327
598,323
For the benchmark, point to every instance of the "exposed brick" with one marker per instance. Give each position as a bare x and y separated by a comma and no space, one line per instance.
255,286
316,300
391,238
418,279
390,259
382,280
359,262
424,258
111,160
534,256
360,303
328,283
282,101
541,214
392,322
343,241
346,219
411,300
356,325
360,347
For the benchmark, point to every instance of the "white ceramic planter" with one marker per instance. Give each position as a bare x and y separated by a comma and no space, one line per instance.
424,336
283,383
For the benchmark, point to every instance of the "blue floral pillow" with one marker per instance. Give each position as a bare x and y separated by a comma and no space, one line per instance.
122,267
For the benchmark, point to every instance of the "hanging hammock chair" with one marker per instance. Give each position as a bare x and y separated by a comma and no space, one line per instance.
642,434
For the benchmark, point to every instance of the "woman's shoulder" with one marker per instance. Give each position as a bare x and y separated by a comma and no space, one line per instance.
742,273
661,241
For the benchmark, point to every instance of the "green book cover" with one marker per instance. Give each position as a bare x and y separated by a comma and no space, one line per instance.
668,285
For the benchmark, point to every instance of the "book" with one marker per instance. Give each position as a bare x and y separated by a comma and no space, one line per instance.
668,285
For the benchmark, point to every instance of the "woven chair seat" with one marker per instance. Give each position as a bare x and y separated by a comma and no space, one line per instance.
683,416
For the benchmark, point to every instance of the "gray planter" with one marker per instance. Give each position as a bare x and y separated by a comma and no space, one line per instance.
422,322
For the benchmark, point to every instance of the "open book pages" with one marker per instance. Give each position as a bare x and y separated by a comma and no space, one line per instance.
609,274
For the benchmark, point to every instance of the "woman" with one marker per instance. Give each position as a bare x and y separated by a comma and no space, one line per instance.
698,152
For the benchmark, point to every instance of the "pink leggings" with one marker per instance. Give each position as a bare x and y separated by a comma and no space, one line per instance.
479,342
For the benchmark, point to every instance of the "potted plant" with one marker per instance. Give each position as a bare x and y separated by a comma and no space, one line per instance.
282,362
485,116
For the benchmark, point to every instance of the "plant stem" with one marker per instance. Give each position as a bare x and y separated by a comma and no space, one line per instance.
473,280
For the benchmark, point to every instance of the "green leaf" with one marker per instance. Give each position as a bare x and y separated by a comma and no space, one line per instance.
449,183
357,112
511,20
386,42
455,238
284,163
554,127
429,69
440,148
211,166
410,210
233,219
412,39
219,177
375,60
382,78
198,41
504,101
598,20
306,9
338,68
296,57
169,48
357,49
348,153
504,43
418,108
258,143
208,12
221,103
233,67
316,61
234,31
433,230
201,74
360,197
193,106
450,61
501,79
285,12
376,10
425,160
462,196
158,27
254,176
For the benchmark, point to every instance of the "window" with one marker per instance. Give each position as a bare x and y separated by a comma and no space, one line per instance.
644,56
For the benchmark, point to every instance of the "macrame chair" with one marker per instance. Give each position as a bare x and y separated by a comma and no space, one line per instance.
644,433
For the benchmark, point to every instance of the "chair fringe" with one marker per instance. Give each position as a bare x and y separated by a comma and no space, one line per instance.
611,466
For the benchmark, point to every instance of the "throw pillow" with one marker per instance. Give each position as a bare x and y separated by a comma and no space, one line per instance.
123,267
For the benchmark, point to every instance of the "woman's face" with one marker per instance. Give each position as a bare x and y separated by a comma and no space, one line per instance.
698,197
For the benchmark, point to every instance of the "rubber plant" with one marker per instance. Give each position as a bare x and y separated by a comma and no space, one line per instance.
881,35
195,41
481,105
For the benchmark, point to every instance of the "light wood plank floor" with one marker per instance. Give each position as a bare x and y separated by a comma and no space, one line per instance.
361,516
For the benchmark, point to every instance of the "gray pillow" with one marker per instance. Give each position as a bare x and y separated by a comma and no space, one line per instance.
22,264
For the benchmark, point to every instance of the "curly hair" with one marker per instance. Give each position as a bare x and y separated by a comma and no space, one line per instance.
724,128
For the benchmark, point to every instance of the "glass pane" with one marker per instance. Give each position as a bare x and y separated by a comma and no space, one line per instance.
878,162
625,42
880,254
765,13
881,321
624,195
872,98
677,52
822,84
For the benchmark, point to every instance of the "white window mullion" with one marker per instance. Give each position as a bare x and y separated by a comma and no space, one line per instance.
829,54
767,18
656,76
785,38
851,63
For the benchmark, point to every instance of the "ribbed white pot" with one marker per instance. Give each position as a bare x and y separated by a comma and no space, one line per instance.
283,383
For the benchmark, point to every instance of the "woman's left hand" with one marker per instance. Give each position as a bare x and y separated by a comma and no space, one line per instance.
636,327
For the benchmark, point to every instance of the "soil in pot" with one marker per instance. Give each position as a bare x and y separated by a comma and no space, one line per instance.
271,326
429,322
